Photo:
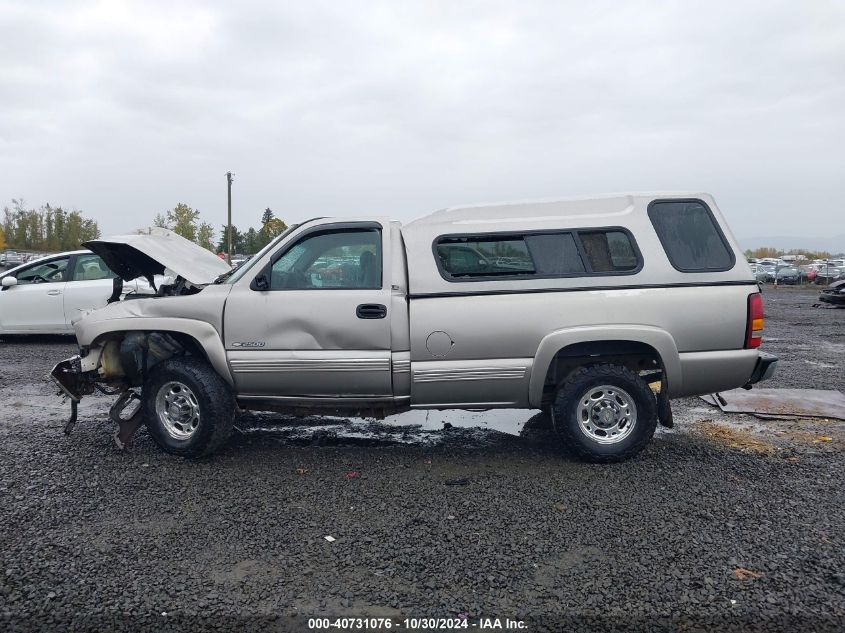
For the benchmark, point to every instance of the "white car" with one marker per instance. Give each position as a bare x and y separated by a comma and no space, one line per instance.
45,296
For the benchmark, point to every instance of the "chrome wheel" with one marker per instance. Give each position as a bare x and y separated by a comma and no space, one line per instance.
178,410
607,414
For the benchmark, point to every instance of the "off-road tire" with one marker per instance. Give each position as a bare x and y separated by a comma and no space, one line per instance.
577,385
216,405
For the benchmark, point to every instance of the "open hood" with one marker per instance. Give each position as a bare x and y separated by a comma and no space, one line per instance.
152,250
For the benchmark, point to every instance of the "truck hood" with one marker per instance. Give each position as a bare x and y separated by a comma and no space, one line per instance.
152,250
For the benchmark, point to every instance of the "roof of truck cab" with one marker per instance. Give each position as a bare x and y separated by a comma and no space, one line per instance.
577,211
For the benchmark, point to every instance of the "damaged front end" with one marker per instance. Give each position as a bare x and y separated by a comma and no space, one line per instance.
117,366
122,341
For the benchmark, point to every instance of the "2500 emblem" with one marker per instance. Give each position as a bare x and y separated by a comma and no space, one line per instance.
248,344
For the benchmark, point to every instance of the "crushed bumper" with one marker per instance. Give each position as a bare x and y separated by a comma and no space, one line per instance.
69,377
764,369
75,383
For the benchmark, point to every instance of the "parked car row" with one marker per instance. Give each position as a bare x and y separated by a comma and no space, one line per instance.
790,275
10,258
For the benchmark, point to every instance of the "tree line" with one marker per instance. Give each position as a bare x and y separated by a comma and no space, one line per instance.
53,229
769,252
186,221
46,228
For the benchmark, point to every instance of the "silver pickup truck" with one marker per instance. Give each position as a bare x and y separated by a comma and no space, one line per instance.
598,310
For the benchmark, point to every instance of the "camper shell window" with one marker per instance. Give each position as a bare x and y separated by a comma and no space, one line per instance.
540,254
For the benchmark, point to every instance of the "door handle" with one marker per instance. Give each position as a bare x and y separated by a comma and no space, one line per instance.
371,311
53,293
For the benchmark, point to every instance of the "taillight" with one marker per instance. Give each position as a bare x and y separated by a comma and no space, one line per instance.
754,328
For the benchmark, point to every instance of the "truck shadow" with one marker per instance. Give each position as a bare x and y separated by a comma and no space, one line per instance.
260,429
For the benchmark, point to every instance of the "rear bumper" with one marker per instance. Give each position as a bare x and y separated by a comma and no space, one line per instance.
721,370
764,369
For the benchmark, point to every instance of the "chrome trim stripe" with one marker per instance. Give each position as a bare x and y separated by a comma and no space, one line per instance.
401,366
521,291
474,373
240,366
325,400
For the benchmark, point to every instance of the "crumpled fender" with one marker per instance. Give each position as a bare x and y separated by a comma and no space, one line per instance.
90,331
657,338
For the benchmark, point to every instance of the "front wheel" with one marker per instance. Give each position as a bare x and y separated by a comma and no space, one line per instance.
188,407
605,413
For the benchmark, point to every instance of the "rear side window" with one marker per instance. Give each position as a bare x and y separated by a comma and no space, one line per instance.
609,251
690,236
485,256
542,254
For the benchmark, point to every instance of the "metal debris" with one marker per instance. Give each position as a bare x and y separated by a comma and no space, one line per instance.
782,403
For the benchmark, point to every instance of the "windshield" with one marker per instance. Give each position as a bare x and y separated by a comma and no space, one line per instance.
237,273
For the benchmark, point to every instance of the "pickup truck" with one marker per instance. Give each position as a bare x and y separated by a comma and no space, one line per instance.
597,310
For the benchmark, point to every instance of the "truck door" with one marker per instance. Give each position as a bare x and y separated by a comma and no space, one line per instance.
314,319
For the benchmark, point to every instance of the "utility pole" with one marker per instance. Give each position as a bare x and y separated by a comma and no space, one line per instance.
229,187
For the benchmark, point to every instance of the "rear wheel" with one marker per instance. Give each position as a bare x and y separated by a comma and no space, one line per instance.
605,413
188,407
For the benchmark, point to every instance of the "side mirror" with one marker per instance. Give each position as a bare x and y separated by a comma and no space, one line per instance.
260,282
9,281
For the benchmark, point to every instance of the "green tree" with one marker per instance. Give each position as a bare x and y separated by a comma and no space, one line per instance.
237,240
251,241
271,228
47,228
267,216
183,221
205,236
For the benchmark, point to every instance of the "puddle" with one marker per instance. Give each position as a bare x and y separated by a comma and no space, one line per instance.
40,403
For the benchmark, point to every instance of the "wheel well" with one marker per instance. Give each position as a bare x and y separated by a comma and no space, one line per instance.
140,350
635,355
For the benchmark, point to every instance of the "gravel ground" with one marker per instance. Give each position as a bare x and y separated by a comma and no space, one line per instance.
740,529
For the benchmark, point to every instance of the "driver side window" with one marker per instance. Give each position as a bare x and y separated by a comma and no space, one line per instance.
46,272
347,259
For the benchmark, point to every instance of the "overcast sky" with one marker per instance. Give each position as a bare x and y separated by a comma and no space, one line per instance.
123,109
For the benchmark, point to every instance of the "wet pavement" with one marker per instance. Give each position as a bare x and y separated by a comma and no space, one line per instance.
726,522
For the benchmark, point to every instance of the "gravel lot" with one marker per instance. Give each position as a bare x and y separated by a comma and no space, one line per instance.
95,539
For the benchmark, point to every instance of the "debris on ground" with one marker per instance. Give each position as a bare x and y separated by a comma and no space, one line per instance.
834,294
740,573
734,438
781,403
330,538
352,474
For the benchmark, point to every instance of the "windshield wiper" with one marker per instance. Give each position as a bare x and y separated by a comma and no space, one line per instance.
223,277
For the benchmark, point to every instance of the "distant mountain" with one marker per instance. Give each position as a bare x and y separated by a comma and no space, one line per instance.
833,245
